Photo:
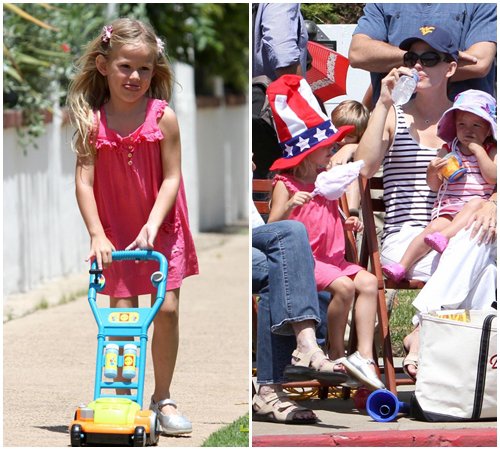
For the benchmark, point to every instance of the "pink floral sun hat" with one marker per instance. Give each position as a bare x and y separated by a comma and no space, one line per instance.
476,102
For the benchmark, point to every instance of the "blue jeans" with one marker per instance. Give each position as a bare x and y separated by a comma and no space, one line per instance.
283,275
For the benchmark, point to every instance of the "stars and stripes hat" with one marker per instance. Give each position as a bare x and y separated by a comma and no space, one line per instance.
301,125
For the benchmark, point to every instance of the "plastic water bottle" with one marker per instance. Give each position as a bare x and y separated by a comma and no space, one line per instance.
405,87
129,357
111,361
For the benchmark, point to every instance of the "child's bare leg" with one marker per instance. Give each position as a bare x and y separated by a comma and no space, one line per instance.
460,220
418,248
164,347
343,292
365,311
131,302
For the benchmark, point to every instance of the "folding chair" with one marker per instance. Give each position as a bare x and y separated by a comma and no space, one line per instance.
370,257
261,189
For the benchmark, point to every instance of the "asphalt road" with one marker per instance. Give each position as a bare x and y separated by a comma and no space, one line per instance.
49,355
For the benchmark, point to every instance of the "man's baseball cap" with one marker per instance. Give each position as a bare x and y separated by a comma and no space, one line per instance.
438,38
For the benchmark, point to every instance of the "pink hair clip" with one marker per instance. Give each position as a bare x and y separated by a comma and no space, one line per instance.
106,33
161,45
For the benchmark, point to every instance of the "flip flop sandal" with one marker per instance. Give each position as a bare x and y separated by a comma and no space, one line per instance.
277,407
305,369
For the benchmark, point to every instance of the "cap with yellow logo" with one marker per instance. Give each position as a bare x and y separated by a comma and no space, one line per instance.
438,38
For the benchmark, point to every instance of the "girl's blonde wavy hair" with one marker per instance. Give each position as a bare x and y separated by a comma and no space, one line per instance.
88,90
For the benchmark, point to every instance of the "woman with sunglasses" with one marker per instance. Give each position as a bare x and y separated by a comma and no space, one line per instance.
403,139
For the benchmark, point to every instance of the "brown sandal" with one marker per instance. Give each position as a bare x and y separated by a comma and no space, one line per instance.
277,407
320,369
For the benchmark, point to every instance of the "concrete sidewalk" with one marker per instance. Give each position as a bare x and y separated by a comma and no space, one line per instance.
49,355
341,424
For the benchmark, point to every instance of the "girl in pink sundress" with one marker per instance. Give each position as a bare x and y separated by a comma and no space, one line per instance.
307,138
129,185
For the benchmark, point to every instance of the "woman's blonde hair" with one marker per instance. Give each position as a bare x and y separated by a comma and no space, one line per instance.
351,112
89,90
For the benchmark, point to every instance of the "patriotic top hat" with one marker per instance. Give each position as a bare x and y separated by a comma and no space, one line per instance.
300,124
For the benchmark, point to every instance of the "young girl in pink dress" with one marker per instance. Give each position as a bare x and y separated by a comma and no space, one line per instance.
129,185
307,137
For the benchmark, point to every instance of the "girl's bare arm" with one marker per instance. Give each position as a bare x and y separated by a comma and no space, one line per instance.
101,246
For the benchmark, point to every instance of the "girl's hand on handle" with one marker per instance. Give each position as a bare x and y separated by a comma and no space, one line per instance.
353,224
101,248
299,199
145,239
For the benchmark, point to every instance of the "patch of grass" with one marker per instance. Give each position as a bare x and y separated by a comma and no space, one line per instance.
233,435
42,304
400,321
72,296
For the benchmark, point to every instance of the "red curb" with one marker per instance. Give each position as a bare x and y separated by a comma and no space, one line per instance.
463,437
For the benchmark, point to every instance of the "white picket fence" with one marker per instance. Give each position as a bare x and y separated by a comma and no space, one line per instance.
43,234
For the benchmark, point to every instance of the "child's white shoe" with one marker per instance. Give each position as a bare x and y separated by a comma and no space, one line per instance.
172,424
358,367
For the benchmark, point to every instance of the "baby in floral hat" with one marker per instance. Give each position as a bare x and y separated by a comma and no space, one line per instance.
469,130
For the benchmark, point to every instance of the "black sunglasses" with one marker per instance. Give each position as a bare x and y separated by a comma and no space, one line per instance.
427,59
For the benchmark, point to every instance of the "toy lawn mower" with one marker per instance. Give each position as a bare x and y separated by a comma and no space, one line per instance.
112,418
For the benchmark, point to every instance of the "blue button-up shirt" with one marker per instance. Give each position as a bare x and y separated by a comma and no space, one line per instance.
280,38
467,23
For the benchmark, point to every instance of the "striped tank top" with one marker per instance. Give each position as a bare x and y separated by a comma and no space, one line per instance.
407,197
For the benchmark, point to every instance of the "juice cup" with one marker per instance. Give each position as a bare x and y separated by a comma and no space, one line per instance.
453,169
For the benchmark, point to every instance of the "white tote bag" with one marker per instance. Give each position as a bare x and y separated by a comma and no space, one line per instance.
457,376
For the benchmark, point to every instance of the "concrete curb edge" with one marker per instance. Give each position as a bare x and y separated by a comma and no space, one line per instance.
463,437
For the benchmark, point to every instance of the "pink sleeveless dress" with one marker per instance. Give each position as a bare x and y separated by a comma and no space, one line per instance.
128,176
326,233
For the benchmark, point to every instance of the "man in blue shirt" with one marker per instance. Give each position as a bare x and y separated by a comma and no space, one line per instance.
375,42
279,40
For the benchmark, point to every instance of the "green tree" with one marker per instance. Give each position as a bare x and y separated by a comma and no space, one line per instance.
41,41
211,36
332,13
39,45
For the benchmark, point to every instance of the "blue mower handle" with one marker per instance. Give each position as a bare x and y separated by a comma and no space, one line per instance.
158,278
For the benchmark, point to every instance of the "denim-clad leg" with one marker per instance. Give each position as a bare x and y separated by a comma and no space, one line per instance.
291,273
273,351
288,293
